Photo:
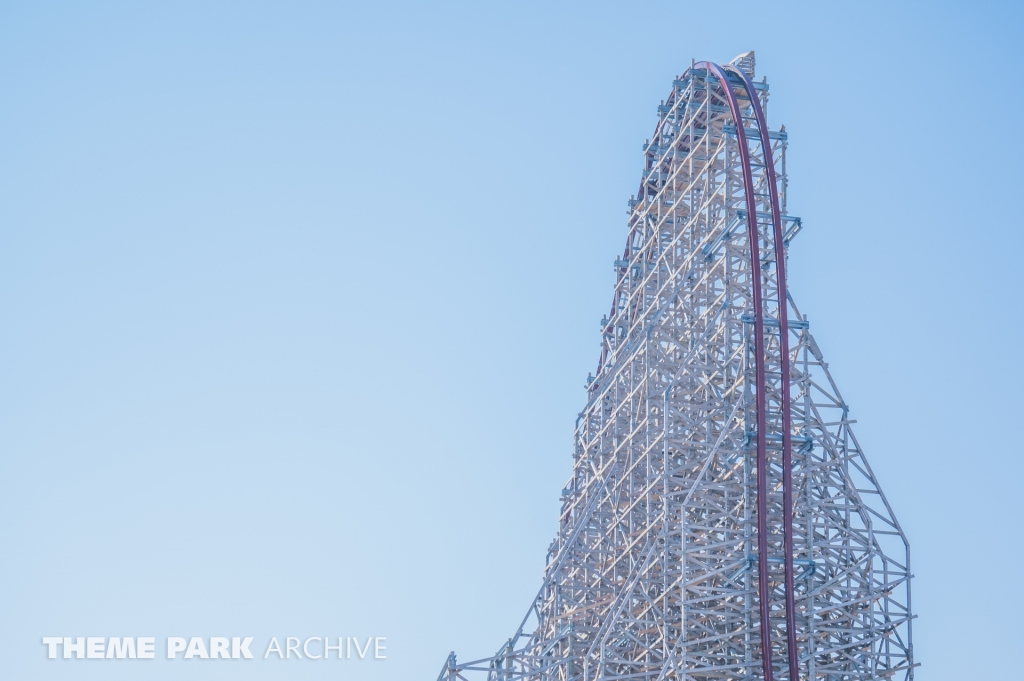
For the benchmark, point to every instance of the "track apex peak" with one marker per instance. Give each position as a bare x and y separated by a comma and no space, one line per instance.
745,62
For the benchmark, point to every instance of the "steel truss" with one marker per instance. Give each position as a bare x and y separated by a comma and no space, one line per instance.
721,521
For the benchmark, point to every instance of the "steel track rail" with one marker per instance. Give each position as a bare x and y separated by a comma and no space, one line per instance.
787,415
763,587
722,74
762,429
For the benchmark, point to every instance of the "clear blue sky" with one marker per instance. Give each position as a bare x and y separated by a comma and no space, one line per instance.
297,301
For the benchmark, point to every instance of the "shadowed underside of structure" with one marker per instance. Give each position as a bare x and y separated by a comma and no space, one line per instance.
721,521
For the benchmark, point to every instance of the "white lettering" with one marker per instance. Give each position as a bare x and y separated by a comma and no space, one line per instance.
274,647
78,647
196,647
94,647
121,648
328,647
219,648
362,653
175,645
51,643
241,647
213,647
146,645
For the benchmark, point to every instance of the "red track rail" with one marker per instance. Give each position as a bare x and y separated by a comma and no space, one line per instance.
764,592
787,413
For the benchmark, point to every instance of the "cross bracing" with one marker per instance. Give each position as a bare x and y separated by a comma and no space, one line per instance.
721,521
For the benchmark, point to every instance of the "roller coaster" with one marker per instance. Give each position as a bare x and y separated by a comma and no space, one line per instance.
721,521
